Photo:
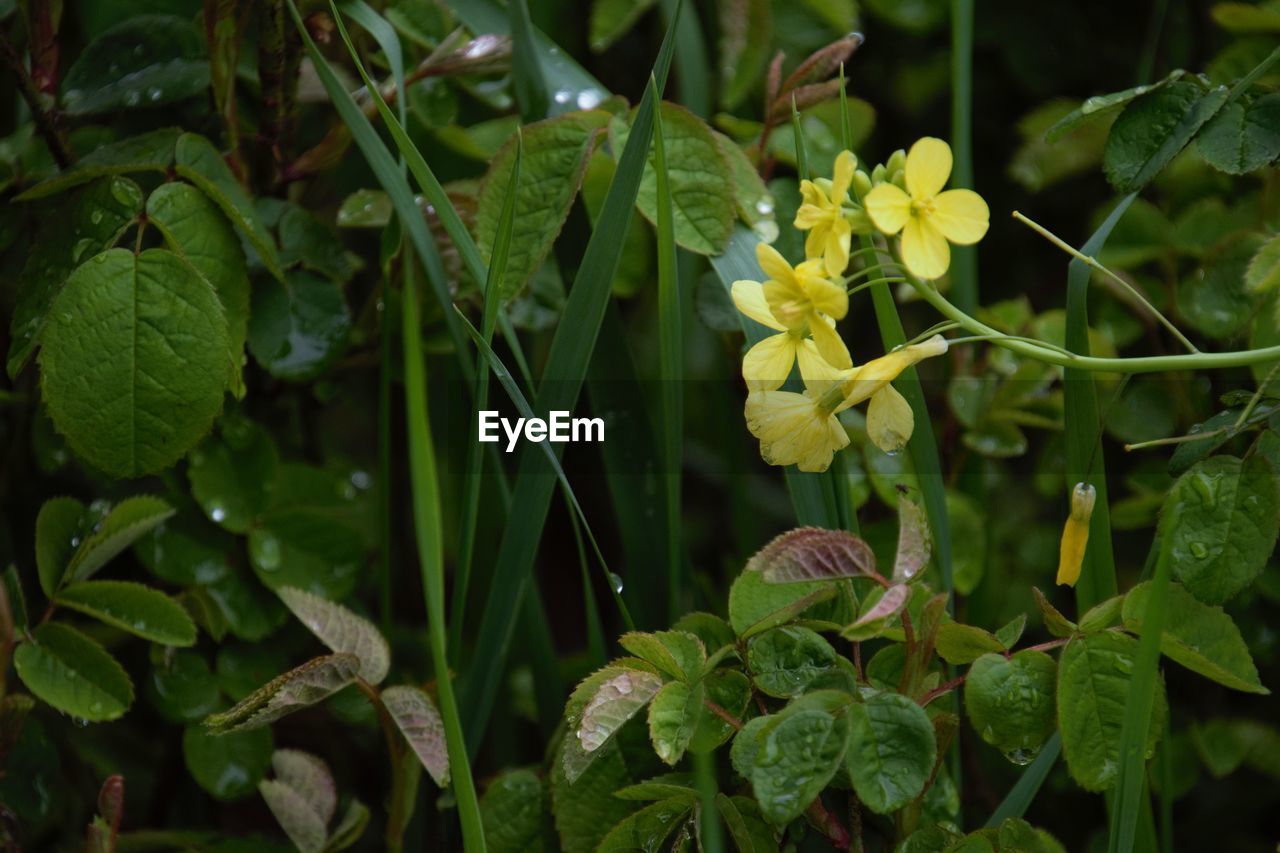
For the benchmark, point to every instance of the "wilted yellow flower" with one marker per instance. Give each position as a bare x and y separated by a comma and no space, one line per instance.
890,421
822,213
799,429
798,303
927,216
1075,534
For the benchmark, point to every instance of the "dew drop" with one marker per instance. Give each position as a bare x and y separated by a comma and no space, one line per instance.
563,96
155,93
1022,756
589,99
616,582
267,553
132,98
217,513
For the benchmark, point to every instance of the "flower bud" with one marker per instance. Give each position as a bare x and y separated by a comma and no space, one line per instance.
1075,534
861,182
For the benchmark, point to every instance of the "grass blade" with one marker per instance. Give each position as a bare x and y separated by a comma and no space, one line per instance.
964,259
671,366
429,534
693,74
526,74
1085,463
1131,779
566,368
388,174
473,476
1023,792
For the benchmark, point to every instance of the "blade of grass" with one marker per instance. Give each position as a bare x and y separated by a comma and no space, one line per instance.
802,153
385,35
670,360
429,534
526,74
1131,779
1023,792
388,174
526,411
964,259
473,476
566,368
1085,463
597,648
693,74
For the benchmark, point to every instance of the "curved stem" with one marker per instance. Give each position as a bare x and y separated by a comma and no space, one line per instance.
891,279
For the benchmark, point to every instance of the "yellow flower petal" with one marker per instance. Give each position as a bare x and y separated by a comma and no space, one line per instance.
811,216
815,242
842,176
792,431
788,301
877,373
748,296
774,265
829,343
961,215
889,420
823,294
1075,534
812,194
767,365
928,167
888,206
924,249
835,254
818,373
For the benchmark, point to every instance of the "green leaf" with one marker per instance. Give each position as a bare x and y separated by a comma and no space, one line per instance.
1229,523
134,368
1010,702
131,607
796,760
1093,690
1263,272
586,809
182,687
1102,615
1153,129
11,585
307,548
611,19
614,702
127,520
88,221
648,828
553,162
144,61
306,240
961,644
1012,632
73,673
784,661
514,809
1101,105
747,826
146,152
915,543
729,689
365,209
341,630
812,554
201,164
313,682
673,718
1242,138
892,750
1054,622
251,612
231,475
1214,300
57,535
351,828
701,181
298,327
878,609
227,766
756,605
195,228
679,654
1199,636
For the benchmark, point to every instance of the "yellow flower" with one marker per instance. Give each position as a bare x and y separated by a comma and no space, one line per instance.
927,216
1075,534
798,303
890,421
799,429
822,213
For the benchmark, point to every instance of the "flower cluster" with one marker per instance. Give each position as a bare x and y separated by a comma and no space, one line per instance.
801,304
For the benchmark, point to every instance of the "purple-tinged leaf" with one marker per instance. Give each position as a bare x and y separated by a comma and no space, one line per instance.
814,554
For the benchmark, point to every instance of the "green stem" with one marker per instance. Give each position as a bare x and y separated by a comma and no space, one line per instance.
429,533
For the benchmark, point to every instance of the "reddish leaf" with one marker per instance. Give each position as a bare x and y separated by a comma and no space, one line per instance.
812,554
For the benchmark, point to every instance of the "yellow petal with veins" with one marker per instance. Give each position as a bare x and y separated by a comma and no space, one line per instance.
924,249
961,215
810,216
875,374
792,431
835,254
767,365
748,296
889,420
825,295
774,265
1075,534
928,167
888,206
829,344
842,176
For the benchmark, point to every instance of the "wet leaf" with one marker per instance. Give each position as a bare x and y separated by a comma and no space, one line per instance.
514,809
1154,128
228,766
1242,137
673,718
796,760
915,543
133,608
342,631
784,661
144,61
298,328
1010,702
58,528
71,672
891,751
313,682
128,520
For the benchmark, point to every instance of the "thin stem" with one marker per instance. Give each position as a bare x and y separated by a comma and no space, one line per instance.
1249,79
1002,337
1093,262
400,805
874,281
1257,395
46,119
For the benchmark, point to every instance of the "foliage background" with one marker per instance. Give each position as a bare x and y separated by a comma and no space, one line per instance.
1025,56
